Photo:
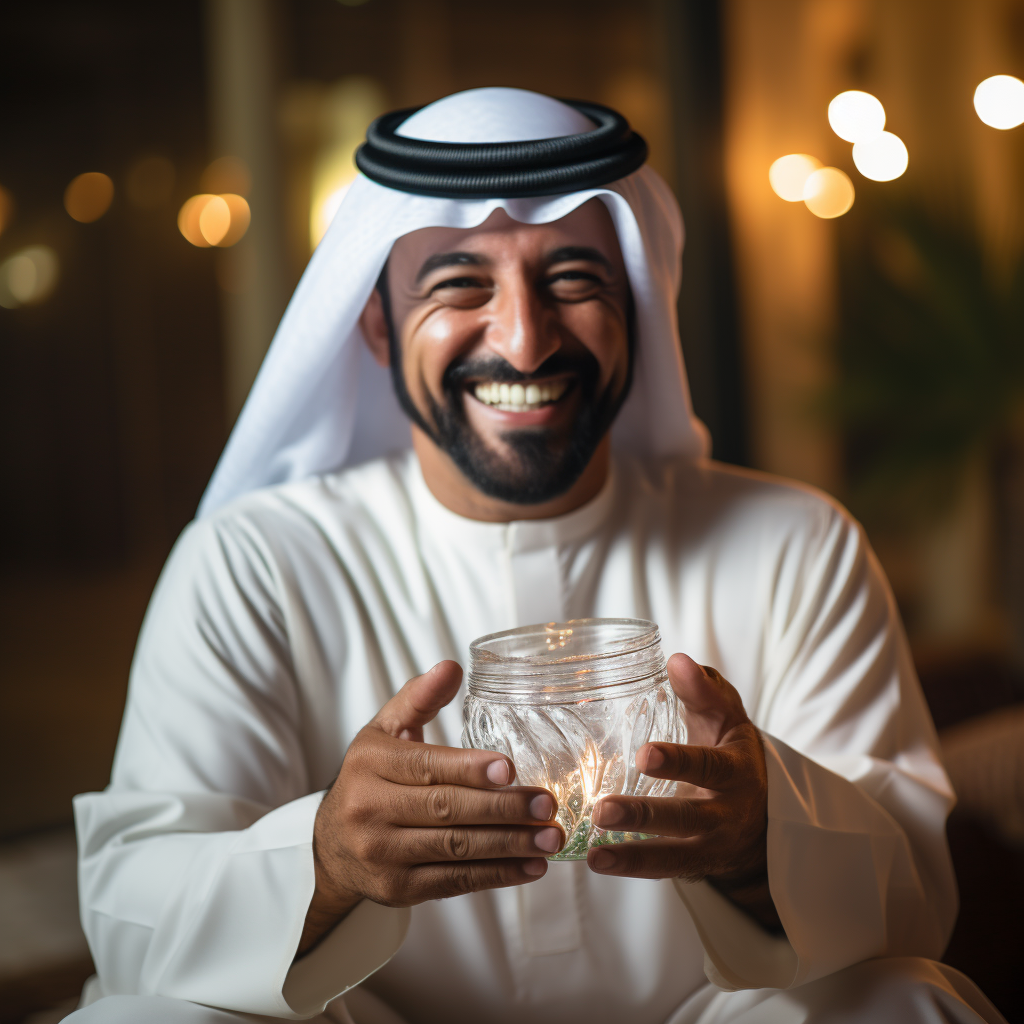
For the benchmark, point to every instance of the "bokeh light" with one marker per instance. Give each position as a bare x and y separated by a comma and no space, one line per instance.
208,219
788,175
828,193
999,101
6,208
150,182
856,116
28,276
227,174
882,158
89,196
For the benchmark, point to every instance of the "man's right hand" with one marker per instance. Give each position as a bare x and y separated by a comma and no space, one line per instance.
406,821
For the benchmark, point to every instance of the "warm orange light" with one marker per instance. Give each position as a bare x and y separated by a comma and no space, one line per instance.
208,219
188,219
89,196
240,217
828,193
788,175
6,208
214,220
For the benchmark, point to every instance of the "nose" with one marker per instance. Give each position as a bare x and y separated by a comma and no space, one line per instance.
521,330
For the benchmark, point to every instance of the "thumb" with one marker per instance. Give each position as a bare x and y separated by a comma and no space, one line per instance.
419,701
712,705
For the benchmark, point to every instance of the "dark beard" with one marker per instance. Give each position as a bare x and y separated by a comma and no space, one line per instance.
539,465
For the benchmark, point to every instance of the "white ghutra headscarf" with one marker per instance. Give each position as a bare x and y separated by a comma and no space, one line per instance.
320,402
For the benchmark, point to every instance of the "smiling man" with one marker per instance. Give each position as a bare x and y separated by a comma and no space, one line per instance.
292,830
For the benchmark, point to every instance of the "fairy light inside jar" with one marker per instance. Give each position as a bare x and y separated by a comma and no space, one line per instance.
571,703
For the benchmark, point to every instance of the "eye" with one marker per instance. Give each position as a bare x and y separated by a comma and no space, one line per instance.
461,291
574,285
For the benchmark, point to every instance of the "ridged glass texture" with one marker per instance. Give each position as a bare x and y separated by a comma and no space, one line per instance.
571,703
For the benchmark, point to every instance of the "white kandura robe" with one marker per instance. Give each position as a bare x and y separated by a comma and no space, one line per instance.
284,621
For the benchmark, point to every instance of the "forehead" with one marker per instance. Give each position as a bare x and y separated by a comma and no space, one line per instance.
498,237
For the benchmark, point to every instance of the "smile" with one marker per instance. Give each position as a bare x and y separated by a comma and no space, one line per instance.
519,397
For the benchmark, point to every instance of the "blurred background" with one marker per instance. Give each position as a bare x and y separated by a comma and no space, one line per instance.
850,172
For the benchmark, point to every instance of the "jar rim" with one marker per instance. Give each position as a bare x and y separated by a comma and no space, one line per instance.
646,634
615,656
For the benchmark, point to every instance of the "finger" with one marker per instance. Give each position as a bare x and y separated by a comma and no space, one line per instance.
715,768
652,858
419,701
439,881
486,842
660,816
409,763
430,806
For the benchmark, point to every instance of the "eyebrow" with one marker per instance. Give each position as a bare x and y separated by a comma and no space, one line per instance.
450,259
585,253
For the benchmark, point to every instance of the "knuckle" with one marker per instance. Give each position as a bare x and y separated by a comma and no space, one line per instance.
423,766
455,843
441,804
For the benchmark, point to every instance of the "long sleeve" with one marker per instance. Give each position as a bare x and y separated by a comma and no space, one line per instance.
196,864
858,864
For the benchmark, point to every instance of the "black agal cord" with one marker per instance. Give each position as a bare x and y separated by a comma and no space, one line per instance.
502,170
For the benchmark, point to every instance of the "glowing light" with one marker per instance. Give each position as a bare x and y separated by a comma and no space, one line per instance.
828,193
881,158
28,276
208,219
6,208
856,116
88,196
227,174
343,113
150,182
214,220
999,101
788,175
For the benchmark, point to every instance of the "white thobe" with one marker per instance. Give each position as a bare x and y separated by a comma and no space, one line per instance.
282,623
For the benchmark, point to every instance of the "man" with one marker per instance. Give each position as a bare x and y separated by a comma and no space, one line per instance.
520,295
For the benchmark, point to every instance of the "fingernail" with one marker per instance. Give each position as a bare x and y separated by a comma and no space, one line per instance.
541,807
497,772
608,813
535,866
655,759
603,860
548,840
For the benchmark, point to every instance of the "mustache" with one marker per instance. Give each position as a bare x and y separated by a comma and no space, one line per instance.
463,370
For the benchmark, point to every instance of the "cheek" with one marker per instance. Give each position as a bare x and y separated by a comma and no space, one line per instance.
430,349
605,336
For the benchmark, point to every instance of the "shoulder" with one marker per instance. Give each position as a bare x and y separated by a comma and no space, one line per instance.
318,521
711,496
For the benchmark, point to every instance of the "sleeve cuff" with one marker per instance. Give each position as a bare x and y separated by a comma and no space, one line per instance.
356,947
738,953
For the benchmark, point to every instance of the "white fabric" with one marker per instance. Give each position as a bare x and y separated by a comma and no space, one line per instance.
320,402
283,622
893,991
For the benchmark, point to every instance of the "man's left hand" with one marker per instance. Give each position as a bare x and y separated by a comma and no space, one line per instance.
715,825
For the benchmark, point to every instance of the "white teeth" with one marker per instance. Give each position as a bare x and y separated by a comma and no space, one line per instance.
517,397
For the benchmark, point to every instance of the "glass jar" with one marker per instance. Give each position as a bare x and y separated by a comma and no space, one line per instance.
571,703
